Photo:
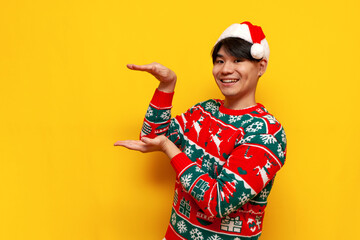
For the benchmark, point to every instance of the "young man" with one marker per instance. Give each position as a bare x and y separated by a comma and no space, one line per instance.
225,153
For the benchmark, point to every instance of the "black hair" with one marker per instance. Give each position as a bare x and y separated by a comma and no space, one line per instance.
234,46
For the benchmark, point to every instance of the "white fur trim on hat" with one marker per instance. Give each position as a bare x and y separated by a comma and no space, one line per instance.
236,30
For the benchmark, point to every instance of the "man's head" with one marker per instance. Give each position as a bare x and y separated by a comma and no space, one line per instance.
240,57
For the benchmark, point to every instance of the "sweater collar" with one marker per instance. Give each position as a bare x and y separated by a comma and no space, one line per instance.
239,111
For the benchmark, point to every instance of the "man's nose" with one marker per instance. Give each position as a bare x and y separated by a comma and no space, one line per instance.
227,68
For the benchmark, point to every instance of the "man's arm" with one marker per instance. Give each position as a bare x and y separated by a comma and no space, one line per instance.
158,115
249,168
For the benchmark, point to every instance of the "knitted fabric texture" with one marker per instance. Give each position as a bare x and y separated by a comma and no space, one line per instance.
226,169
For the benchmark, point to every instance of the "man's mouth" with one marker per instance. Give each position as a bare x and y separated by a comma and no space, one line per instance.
229,80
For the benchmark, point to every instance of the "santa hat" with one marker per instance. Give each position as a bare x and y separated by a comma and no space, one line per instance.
251,33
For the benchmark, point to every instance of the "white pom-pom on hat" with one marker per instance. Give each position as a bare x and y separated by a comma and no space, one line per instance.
252,34
257,51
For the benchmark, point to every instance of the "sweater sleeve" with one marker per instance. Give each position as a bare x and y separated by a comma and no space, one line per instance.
249,168
158,119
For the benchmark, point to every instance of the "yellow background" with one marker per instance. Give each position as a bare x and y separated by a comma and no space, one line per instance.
66,97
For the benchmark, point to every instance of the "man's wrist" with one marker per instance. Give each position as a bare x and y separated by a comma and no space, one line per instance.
167,87
169,148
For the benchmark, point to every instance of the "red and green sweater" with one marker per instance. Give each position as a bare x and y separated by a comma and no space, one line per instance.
226,169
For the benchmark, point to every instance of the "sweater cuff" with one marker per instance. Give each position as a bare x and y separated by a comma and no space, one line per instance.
162,99
180,162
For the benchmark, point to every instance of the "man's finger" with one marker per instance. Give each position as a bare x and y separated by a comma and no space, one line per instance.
132,144
122,143
147,140
146,67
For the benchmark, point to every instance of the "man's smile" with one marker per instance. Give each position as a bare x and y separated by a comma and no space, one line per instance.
229,80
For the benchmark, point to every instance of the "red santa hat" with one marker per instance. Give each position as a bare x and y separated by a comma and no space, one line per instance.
251,33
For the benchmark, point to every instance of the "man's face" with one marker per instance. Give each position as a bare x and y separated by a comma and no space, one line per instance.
236,78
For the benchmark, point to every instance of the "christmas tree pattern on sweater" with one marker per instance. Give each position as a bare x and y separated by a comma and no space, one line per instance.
226,169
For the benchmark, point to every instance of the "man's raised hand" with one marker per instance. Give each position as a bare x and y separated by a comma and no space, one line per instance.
165,75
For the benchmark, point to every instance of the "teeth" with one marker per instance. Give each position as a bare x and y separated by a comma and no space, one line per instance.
229,80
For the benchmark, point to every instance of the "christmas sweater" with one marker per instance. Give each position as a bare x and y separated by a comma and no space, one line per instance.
226,169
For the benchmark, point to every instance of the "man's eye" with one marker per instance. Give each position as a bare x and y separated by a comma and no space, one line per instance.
238,60
219,61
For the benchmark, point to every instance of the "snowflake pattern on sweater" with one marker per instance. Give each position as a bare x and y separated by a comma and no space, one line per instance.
226,169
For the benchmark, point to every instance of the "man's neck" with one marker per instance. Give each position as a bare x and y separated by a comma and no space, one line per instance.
236,104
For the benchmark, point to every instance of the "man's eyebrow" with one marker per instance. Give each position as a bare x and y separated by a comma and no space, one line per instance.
219,55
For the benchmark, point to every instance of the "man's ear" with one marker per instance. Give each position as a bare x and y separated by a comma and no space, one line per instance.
263,65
